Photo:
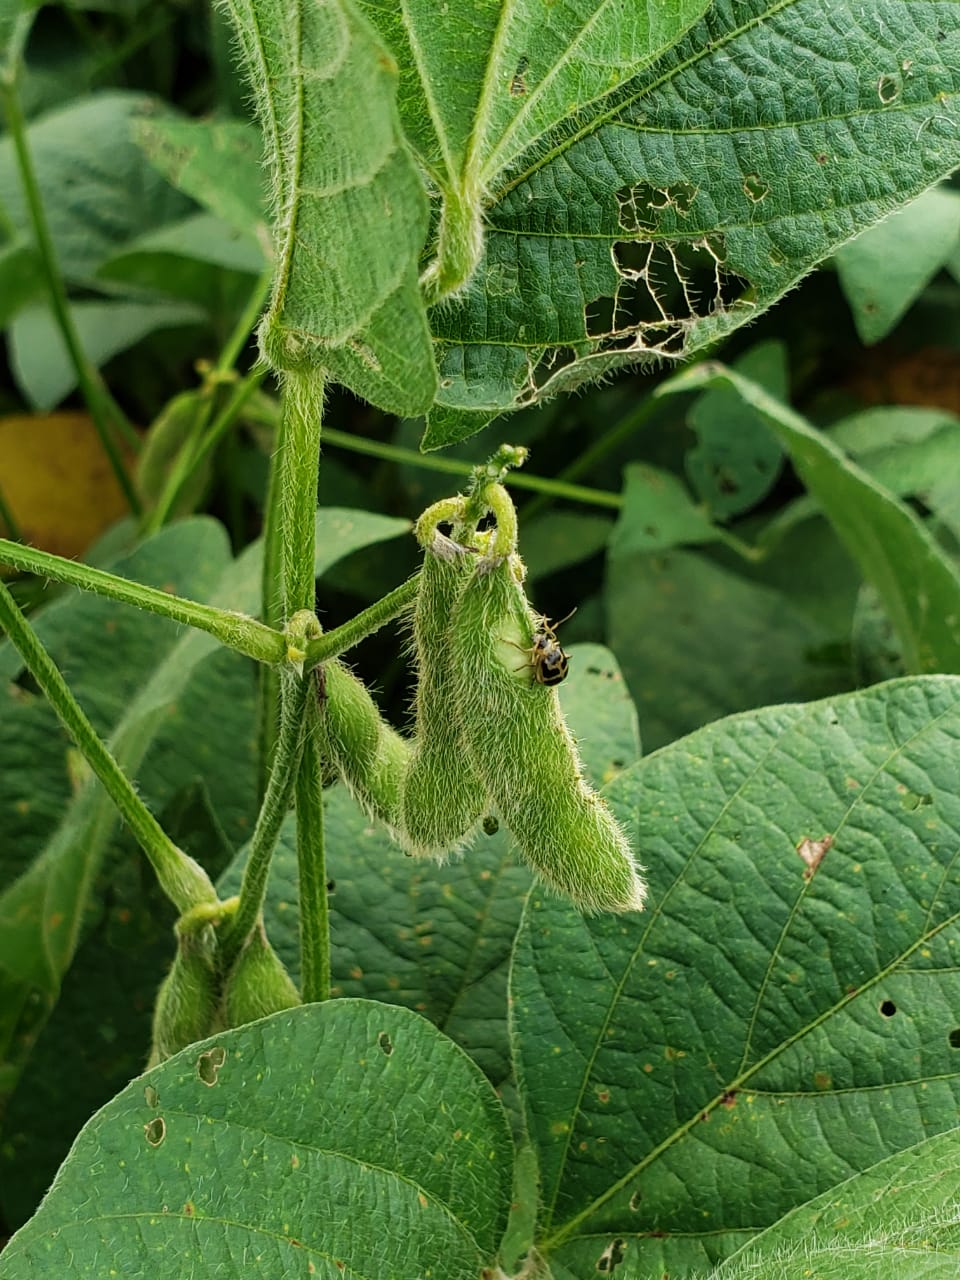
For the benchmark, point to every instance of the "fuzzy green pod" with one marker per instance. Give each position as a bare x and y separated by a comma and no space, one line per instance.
258,984
523,751
186,1003
443,797
367,753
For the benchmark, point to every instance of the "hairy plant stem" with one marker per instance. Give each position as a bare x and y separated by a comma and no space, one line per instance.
273,810
332,643
246,635
108,418
289,530
311,861
182,879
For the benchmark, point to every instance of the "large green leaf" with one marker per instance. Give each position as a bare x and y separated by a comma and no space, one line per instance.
787,1011
917,582
635,211
349,1138
351,208
896,1219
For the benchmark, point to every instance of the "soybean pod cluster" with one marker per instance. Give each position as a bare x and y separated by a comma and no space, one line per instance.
489,734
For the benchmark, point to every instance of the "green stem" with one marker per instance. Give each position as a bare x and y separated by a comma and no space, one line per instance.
601,447
555,488
108,417
332,643
184,881
273,810
236,631
314,908
240,334
289,528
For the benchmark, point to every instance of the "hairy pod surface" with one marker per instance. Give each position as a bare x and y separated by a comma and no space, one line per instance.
523,751
186,1003
367,753
258,984
443,796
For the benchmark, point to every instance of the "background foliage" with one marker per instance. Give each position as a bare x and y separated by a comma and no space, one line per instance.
739,1078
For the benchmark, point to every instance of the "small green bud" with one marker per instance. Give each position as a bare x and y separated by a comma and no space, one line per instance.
257,984
369,755
186,1003
522,749
442,795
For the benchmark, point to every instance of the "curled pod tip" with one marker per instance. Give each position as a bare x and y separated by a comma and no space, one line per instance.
524,753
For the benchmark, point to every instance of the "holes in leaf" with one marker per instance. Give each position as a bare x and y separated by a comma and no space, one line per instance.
518,85
644,207
155,1130
954,1038
209,1064
385,1043
490,825
612,1256
889,89
331,886
668,282
754,188
150,1096
888,1008
635,1200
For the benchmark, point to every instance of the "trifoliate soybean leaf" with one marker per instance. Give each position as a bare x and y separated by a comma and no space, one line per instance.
785,1013
217,162
917,582
39,358
306,1142
736,461
895,1219
352,209
98,189
637,210
885,269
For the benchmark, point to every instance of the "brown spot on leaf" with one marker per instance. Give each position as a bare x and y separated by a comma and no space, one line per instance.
812,852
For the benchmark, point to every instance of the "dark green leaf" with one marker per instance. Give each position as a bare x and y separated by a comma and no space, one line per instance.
680,198
737,461
783,1017
303,1141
